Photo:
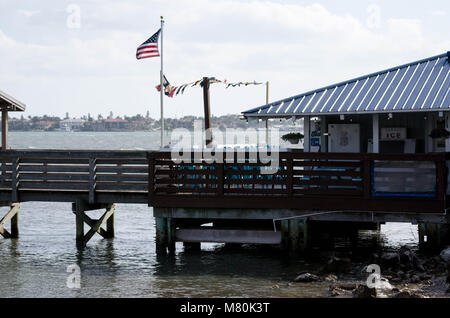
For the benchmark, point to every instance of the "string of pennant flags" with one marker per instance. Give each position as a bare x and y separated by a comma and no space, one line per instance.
172,91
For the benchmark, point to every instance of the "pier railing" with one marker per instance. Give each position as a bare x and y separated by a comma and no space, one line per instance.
308,181
295,180
65,174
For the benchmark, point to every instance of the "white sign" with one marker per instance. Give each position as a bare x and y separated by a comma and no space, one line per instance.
393,134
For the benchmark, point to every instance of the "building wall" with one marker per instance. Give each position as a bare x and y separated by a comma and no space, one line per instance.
415,123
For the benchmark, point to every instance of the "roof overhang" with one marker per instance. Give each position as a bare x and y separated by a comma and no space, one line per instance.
10,104
420,86
265,116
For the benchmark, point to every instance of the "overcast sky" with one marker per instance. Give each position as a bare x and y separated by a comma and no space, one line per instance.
57,63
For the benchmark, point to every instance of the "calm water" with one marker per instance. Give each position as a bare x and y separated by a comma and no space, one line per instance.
35,264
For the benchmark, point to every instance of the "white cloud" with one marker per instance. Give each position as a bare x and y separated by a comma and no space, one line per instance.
296,47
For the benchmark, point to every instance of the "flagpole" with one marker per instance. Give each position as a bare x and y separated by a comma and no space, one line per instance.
162,86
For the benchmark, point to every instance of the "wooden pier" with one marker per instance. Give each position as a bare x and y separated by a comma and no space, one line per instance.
238,202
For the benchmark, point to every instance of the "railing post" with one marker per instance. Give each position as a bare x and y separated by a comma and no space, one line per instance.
440,179
367,177
289,174
151,177
220,177
92,179
15,175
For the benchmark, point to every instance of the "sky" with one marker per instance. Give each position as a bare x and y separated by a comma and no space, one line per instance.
61,56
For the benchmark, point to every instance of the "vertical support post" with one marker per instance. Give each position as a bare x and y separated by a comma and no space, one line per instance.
110,226
298,235
284,234
161,235
294,235
171,228
323,131
220,177
375,133
289,174
429,142
441,178
79,221
4,129
14,179
207,110
367,177
15,225
151,178
433,237
267,120
92,180
306,133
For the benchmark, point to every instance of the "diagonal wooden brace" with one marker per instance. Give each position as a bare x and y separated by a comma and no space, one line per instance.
79,209
109,212
12,216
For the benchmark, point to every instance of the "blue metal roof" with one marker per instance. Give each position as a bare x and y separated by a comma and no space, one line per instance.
419,86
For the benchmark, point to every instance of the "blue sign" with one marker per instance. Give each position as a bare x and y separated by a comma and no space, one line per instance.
315,142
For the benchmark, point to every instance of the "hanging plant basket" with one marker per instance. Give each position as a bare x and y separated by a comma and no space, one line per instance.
293,138
440,133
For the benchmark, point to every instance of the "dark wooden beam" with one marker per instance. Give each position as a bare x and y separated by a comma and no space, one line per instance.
207,110
4,129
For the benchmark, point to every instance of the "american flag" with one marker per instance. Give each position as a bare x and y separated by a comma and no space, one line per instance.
149,48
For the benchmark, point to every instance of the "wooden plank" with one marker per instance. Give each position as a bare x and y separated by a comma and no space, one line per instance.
53,177
184,181
328,164
122,187
184,172
355,183
59,186
353,174
228,236
328,192
255,181
123,169
54,168
122,177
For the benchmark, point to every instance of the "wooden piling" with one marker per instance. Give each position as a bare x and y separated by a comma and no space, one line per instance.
284,227
171,229
110,227
79,222
298,235
161,235
433,237
15,225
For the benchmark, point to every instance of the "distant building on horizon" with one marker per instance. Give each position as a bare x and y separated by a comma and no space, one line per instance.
71,124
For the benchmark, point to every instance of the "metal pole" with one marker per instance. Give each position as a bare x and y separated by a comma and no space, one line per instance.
267,120
4,129
162,86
